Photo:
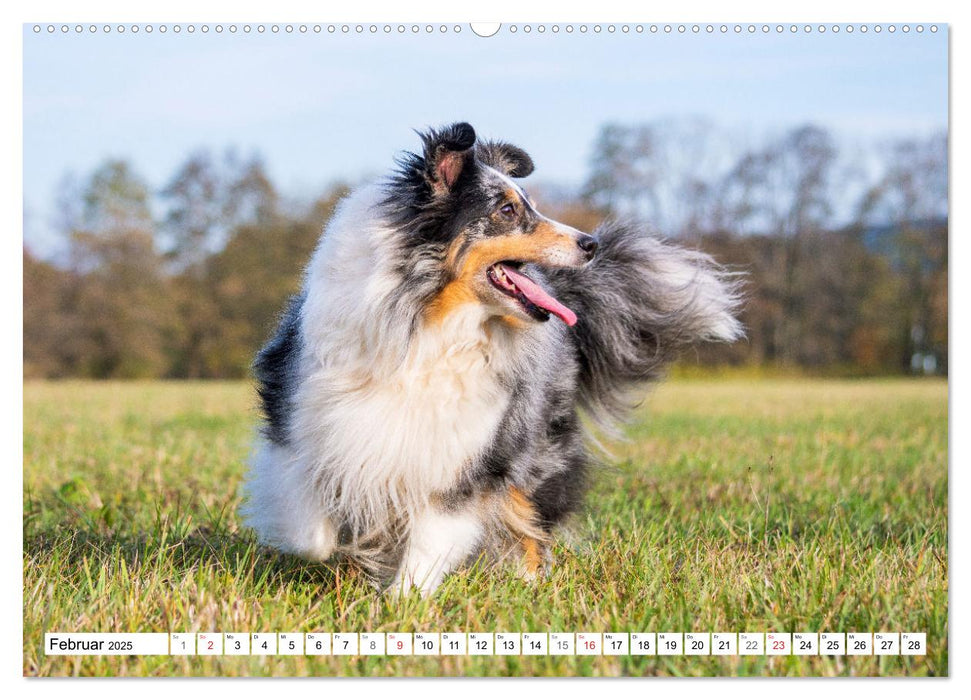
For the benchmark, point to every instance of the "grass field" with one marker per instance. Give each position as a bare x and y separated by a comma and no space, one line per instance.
795,505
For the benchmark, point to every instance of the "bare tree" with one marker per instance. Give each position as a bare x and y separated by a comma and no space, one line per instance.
664,173
193,224
121,296
784,189
911,200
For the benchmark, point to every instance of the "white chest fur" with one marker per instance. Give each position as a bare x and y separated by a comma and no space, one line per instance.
385,444
386,416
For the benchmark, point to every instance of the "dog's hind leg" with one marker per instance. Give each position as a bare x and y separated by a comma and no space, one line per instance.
438,541
522,520
283,507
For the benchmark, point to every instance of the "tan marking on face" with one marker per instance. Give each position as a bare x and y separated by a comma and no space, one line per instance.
513,321
469,271
455,295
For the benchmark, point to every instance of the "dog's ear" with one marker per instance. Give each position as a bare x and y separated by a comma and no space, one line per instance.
448,153
506,158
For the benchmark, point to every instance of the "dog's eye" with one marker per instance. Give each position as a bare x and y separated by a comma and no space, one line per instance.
508,211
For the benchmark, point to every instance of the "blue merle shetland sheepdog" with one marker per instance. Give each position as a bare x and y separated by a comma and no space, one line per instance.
421,406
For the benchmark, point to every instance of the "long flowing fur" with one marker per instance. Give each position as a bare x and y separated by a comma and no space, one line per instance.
639,303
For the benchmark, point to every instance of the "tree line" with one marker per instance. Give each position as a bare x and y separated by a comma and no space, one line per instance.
843,253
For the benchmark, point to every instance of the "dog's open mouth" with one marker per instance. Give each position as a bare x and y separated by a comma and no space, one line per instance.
508,279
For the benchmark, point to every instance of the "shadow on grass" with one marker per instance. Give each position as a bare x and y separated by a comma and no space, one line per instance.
233,554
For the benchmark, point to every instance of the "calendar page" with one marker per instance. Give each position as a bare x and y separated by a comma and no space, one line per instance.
456,349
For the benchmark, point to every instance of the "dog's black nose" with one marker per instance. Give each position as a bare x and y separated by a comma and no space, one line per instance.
588,244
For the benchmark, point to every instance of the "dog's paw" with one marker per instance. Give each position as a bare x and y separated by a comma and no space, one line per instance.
426,582
535,561
530,575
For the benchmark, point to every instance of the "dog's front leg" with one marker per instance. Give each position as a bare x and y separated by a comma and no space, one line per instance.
438,542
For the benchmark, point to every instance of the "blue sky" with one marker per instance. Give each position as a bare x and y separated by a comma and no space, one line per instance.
322,107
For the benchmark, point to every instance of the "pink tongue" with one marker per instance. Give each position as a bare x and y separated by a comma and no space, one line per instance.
539,297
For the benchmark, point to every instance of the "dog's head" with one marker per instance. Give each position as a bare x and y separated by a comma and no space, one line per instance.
459,198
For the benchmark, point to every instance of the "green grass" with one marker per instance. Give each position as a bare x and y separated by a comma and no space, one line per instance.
785,505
